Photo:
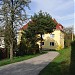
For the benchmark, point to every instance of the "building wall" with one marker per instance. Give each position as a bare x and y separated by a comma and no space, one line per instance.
62,39
2,44
19,36
56,42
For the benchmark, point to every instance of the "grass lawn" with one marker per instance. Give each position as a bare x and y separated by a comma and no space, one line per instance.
60,65
19,58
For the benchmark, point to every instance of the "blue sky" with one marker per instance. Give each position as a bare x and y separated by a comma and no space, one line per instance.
61,10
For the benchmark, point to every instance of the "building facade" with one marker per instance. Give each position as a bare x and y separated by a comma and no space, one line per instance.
54,40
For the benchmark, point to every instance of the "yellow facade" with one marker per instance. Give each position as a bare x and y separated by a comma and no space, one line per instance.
56,41
19,36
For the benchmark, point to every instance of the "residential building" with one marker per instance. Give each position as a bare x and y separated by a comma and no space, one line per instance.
54,40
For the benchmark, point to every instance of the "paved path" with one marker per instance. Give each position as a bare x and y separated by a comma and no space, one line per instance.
28,67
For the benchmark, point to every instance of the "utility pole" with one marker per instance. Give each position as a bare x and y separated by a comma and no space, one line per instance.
72,32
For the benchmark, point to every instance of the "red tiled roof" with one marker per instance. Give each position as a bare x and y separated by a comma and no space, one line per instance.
24,27
58,26
55,21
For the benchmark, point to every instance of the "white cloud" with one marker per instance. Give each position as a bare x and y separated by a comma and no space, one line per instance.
67,17
61,10
53,5
65,5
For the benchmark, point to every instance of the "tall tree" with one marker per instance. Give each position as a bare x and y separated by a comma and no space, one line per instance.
41,23
13,14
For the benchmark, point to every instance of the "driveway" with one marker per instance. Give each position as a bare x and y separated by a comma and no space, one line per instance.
29,67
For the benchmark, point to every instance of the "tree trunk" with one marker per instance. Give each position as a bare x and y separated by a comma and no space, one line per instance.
11,42
41,43
11,52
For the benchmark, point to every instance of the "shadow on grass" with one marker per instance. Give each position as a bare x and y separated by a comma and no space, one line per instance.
56,69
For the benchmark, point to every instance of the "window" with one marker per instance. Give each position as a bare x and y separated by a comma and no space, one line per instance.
51,35
42,43
51,43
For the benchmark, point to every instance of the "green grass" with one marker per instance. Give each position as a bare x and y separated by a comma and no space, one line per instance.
18,59
60,65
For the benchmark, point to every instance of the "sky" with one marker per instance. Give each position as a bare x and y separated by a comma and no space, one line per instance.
61,10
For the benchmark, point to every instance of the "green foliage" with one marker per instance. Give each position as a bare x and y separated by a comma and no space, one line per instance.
0,54
68,36
17,59
3,54
72,64
59,47
14,14
40,23
67,40
21,49
28,44
34,49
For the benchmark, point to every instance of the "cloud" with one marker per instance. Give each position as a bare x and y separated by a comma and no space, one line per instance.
45,5
53,5
65,5
61,10
67,17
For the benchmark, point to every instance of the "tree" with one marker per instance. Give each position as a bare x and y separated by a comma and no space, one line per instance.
13,14
30,39
68,36
1,31
41,23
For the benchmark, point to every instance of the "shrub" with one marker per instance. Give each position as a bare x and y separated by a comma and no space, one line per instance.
21,49
3,53
67,43
59,47
72,64
0,54
34,49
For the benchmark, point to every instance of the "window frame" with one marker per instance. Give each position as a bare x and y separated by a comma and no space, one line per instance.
52,35
51,43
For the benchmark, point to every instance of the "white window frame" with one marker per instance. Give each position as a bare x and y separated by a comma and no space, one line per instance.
52,35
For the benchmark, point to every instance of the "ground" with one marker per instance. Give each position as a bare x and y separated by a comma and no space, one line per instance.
29,67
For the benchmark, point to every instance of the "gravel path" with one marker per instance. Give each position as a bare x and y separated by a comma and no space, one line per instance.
29,67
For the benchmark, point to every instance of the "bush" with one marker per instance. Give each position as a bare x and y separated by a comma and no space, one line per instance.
59,47
0,54
22,49
67,43
34,49
3,53
72,64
